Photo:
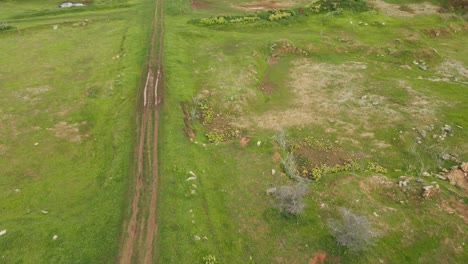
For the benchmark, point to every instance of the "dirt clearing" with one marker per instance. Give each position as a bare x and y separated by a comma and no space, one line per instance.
425,8
264,5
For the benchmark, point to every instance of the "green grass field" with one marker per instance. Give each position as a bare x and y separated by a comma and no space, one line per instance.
67,127
355,92
362,97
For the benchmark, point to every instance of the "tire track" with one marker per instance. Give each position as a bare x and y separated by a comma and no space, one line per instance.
141,228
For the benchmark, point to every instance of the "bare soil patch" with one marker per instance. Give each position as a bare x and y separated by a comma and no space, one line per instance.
264,5
317,157
3,149
67,131
266,86
425,8
199,4
324,92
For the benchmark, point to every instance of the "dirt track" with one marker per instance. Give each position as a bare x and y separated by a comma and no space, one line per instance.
141,227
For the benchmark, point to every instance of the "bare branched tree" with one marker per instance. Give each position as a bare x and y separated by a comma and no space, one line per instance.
280,138
290,167
352,231
290,199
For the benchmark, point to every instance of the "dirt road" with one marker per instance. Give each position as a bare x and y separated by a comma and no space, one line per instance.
141,228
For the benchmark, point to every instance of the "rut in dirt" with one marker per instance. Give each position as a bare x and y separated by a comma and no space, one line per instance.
140,229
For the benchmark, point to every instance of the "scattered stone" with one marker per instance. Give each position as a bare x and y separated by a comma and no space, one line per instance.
191,178
446,156
194,186
3,232
17,190
244,141
438,176
446,129
44,211
193,174
37,143
376,214
419,180
205,238
193,192
426,174
464,167
273,171
375,103
70,4
402,183
423,67
422,132
196,238
54,237
270,191
55,27
259,143
429,191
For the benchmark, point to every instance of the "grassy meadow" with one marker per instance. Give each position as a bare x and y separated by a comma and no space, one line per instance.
360,86
69,81
362,98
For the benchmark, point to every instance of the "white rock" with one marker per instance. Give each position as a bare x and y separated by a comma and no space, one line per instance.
191,178
44,211
273,171
259,143
17,190
55,27
193,192
3,232
196,238
37,143
54,237
193,174
376,214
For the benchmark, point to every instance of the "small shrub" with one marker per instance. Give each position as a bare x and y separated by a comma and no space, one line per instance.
374,167
290,199
209,259
352,231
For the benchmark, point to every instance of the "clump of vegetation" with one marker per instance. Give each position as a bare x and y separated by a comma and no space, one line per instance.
4,26
225,20
312,142
374,167
324,6
283,46
352,231
209,259
276,15
268,16
206,112
219,136
291,199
